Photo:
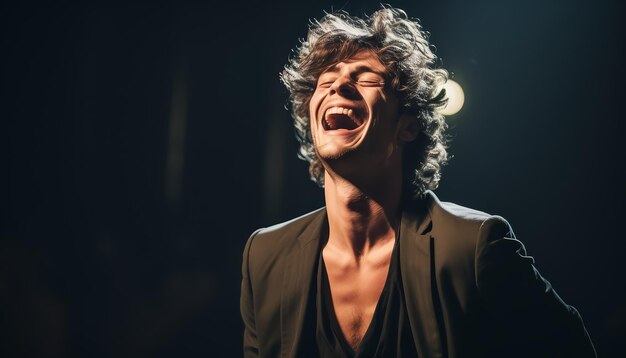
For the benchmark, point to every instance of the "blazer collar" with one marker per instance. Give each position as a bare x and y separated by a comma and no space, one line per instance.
298,282
416,263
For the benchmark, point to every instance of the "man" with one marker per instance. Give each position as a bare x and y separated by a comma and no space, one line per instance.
386,269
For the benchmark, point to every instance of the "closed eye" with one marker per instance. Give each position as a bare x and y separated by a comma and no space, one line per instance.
364,83
371,83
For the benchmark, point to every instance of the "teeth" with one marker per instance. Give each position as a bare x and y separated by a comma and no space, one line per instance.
340,110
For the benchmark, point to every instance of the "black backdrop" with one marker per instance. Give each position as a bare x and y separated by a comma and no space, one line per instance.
143,143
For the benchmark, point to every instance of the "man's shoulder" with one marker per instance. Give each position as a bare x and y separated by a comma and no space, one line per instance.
451,218
287,233
294,226
269,246
451,211
458,231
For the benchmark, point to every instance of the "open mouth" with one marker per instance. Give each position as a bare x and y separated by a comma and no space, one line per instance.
337,118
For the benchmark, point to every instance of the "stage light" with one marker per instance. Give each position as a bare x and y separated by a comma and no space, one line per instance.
455,96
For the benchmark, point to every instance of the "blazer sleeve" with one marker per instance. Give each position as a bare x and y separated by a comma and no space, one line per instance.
250,341
526,315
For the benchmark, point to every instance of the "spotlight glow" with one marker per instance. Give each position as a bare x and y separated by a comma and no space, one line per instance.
455,96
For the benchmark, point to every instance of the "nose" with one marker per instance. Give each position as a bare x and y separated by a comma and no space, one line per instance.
343,86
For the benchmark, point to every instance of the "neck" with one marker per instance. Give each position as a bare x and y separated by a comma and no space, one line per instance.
361,218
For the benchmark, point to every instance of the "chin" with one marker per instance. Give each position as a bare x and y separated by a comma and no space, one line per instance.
335,152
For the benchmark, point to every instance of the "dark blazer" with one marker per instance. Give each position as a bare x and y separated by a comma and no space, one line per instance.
470,288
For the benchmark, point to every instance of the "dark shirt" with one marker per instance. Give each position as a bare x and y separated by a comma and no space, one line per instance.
389,333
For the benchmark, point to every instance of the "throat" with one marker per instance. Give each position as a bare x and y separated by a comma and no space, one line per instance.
360,216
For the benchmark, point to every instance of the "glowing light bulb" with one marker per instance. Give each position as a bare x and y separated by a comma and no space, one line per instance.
455,96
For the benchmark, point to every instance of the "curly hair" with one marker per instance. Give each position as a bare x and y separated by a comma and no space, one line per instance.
403,48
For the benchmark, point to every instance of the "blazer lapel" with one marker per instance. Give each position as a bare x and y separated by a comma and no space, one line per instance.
297,287
415,266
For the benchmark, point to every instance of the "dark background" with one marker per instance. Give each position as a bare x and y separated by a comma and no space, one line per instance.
143,143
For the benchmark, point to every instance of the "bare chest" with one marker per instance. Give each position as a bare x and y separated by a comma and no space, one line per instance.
355,294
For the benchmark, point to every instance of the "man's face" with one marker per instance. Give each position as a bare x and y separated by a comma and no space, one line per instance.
353,113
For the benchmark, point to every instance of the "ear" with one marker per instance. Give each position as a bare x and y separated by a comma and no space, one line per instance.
408,128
